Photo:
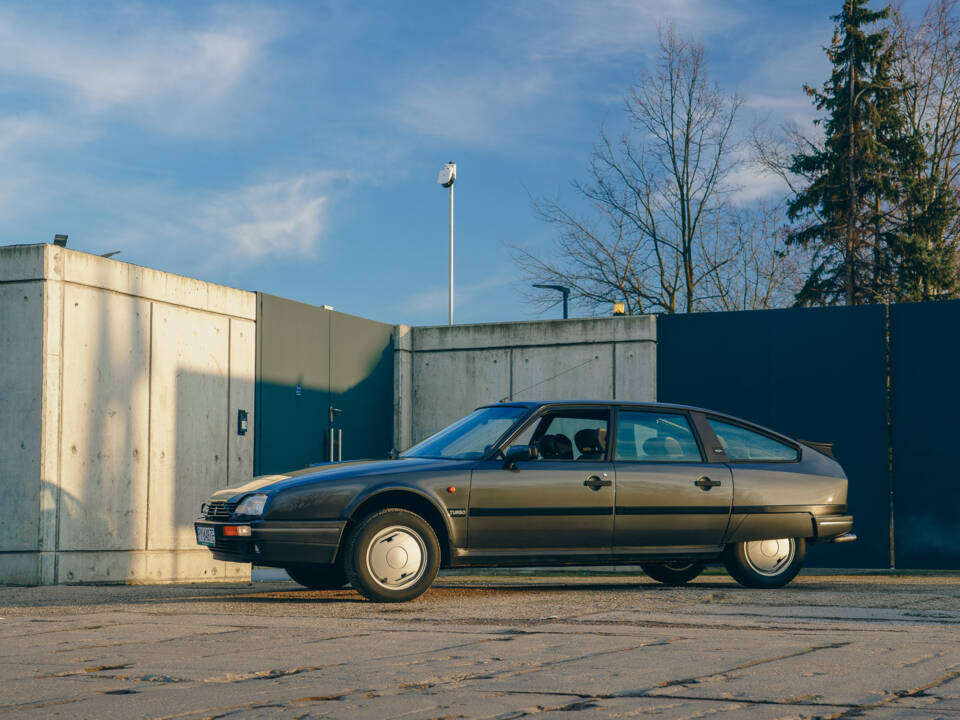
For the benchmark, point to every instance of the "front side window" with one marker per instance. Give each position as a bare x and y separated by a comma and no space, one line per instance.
568,435
471,437
650,436
742,444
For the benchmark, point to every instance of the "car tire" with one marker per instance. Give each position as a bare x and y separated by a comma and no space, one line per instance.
392,556
679,572
765,563
318,576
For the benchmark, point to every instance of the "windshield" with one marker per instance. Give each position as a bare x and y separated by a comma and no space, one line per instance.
471,437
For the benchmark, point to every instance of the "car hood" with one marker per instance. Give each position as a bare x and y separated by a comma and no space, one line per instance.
336,471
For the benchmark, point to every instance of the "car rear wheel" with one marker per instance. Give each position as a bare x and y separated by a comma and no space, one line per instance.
392,556
318,577
765,563
678,572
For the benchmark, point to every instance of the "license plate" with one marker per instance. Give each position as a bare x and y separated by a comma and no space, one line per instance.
206,536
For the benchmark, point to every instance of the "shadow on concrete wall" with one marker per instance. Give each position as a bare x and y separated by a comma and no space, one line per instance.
294,425
145,436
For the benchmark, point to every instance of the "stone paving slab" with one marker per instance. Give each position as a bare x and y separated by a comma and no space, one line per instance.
492,647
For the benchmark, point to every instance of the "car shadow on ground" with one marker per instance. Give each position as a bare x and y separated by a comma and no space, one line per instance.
460,589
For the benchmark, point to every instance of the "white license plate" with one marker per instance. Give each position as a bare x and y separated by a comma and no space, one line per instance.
205,535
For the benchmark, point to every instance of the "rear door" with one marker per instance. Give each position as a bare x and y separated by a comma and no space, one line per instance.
667,494
561,501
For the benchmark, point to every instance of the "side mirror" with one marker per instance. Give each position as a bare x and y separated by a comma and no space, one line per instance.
519,453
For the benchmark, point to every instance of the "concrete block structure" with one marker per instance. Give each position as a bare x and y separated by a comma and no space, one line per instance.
119,392
120,388
444,372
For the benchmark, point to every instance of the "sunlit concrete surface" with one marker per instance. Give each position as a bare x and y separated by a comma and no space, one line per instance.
119,392
442,373
488,646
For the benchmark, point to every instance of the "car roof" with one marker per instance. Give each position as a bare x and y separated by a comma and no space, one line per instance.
619,403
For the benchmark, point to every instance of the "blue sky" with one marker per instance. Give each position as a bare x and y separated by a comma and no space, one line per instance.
293,147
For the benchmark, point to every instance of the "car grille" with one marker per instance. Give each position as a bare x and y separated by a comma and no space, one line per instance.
219,510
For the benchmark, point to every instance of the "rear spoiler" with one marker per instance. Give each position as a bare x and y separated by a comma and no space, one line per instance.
820,447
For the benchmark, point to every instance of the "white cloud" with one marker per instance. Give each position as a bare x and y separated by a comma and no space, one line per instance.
19,133
431,304
753,183
612,27
202,234
283,219
536,58
481,107
143,61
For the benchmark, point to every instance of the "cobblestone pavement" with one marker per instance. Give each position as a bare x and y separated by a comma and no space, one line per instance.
488,646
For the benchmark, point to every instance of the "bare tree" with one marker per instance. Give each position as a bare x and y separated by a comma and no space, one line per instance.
928,69
653,195
759,271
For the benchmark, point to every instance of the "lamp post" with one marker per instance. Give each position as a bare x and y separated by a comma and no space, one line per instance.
559,288
447,176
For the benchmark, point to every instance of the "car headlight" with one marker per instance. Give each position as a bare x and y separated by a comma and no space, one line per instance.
251,505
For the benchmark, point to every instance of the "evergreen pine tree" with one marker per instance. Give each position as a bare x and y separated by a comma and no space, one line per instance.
874,215
844,201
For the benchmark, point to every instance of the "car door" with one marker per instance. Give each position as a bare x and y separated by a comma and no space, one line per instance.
667,495
561,501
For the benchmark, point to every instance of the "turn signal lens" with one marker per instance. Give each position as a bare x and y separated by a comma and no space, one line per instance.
236,531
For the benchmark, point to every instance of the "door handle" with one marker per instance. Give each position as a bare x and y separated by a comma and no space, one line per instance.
595,483
705,483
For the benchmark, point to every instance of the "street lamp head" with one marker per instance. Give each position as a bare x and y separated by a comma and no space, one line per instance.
448,174
561,288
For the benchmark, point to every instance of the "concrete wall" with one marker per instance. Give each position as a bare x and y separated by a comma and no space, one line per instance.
119,389
119,392
442,373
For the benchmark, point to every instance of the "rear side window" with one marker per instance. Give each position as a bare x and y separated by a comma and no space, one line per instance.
742,444
645,436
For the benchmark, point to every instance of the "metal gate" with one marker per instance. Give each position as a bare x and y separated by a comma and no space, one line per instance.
925,395
814,374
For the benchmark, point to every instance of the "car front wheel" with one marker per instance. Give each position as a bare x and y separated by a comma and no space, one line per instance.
392,556
318,577
678,572
765,563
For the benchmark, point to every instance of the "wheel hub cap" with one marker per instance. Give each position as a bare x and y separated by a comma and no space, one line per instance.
770,557
396,557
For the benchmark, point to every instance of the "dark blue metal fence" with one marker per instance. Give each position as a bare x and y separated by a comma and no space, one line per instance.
925,395
814,374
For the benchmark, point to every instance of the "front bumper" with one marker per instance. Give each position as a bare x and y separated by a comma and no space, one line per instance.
276,543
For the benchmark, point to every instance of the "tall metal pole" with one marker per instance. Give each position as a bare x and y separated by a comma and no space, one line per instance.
451,255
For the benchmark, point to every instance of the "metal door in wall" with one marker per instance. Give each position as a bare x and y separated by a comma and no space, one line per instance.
361,386
321,376
292,385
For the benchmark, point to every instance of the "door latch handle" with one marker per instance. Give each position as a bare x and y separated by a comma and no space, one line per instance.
705,483
595,483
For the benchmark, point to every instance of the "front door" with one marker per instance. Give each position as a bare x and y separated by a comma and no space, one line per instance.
562,501
666,494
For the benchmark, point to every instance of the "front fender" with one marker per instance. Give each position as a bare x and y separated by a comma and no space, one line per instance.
418,499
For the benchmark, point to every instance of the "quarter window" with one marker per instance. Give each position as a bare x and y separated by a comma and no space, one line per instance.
644,436
742,444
